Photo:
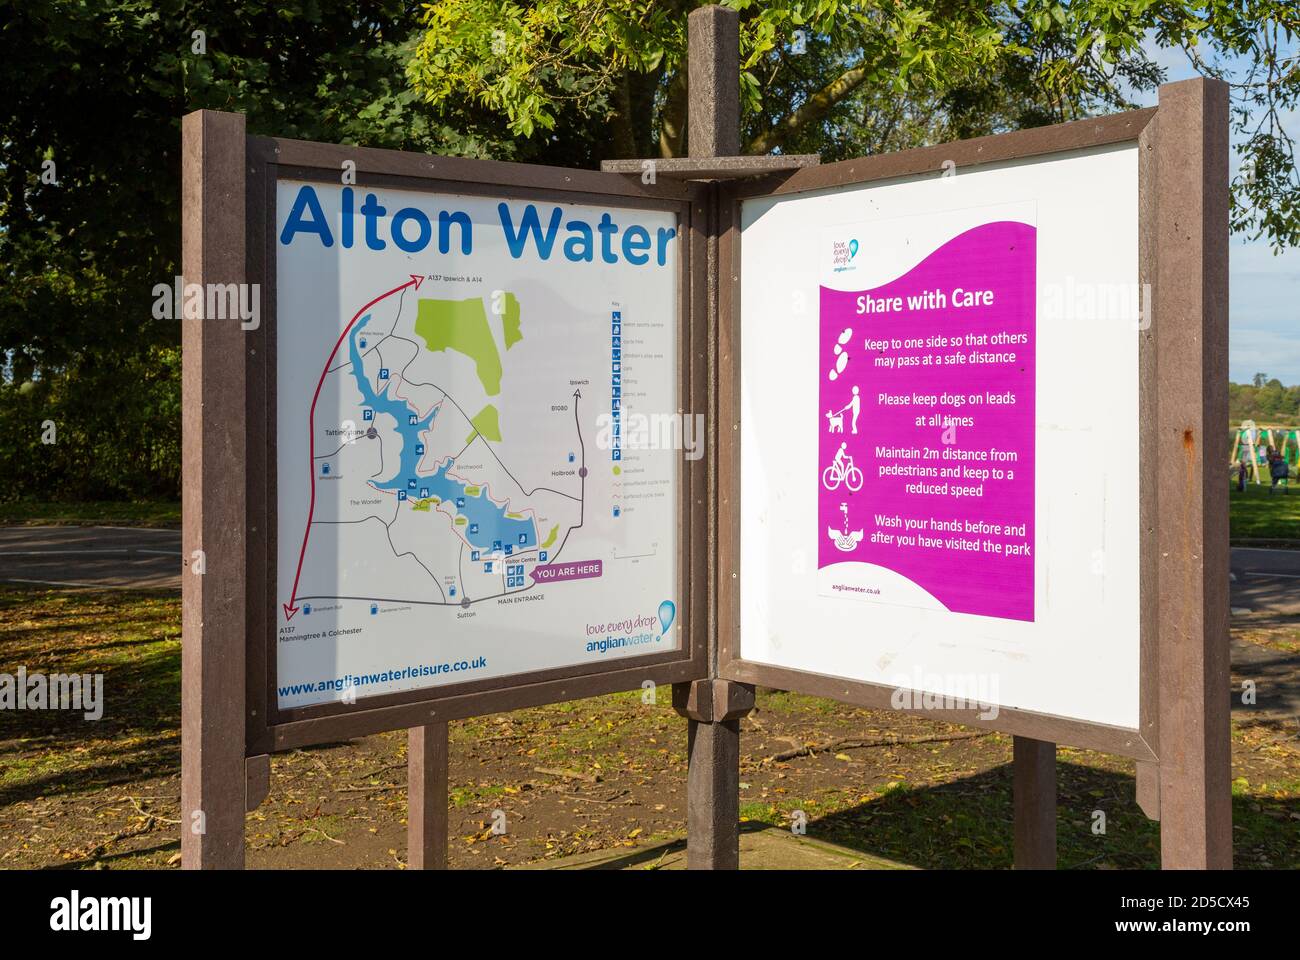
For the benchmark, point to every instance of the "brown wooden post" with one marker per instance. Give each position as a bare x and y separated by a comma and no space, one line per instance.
426,797
1190,296
1147,788
1034,799
713,707
713,82
213,493
1147,772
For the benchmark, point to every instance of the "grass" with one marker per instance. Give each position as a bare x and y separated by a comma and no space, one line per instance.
963,823
1255,514
134,641
81,793
145,514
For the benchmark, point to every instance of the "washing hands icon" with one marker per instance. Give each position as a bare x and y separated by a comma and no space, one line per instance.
844,541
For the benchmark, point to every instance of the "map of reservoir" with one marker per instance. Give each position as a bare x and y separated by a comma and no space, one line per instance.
457,497
419,470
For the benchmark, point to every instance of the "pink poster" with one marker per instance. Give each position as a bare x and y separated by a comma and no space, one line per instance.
926,466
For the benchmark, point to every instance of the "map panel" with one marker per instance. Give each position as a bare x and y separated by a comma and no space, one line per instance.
458,497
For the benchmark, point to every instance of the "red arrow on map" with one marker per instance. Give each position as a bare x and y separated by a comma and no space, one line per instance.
291,607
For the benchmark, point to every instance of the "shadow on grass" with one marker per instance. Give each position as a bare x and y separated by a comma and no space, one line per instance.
136,514
108,859
46,753
968,824
1255,514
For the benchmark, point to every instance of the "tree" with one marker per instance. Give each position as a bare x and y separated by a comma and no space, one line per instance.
1265,401
94,92
90,191
858,75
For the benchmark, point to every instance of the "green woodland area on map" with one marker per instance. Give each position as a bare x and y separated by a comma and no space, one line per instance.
510,321
485,425
462,325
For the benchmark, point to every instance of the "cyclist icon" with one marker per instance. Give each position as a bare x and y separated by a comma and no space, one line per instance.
842,471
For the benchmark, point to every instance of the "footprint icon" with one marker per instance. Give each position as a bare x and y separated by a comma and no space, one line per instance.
841,358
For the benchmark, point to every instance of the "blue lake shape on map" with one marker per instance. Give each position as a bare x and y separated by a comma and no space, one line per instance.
487,522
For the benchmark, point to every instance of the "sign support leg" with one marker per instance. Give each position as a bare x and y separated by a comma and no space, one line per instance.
713,709
713,74
426,797
214,427
1034,799
1148,788
712,796
1191,336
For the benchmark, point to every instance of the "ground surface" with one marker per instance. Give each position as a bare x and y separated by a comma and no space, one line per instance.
595,778
85,556
606,774
761,848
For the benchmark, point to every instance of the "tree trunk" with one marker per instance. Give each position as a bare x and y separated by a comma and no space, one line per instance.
672,122
643,88
813,109
623,119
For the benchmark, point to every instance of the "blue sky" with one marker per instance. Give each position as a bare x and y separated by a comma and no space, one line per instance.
1264,289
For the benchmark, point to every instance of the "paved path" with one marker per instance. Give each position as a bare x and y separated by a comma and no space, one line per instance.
118,558
766,849
1265,596
1265,590
1266,580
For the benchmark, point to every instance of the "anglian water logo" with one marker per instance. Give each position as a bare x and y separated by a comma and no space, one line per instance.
843,253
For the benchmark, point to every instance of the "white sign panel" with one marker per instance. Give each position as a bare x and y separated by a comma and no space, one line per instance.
465,486
939,435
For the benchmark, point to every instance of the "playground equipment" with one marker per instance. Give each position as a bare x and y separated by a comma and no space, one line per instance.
1251,442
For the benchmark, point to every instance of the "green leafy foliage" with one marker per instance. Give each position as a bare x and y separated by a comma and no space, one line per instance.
98,89
851,77
95,89
1266,401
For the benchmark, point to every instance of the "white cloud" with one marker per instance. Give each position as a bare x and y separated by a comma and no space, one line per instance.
1264,289
1253,351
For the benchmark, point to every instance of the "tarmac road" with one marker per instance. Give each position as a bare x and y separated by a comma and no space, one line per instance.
1265,594
113,558
1265,589
1264,581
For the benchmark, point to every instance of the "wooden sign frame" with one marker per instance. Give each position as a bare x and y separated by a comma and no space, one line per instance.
229,723
1043,142
1183,391
230,603
273,160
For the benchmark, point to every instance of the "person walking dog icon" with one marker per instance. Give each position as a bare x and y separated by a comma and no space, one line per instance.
835,418
853,406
